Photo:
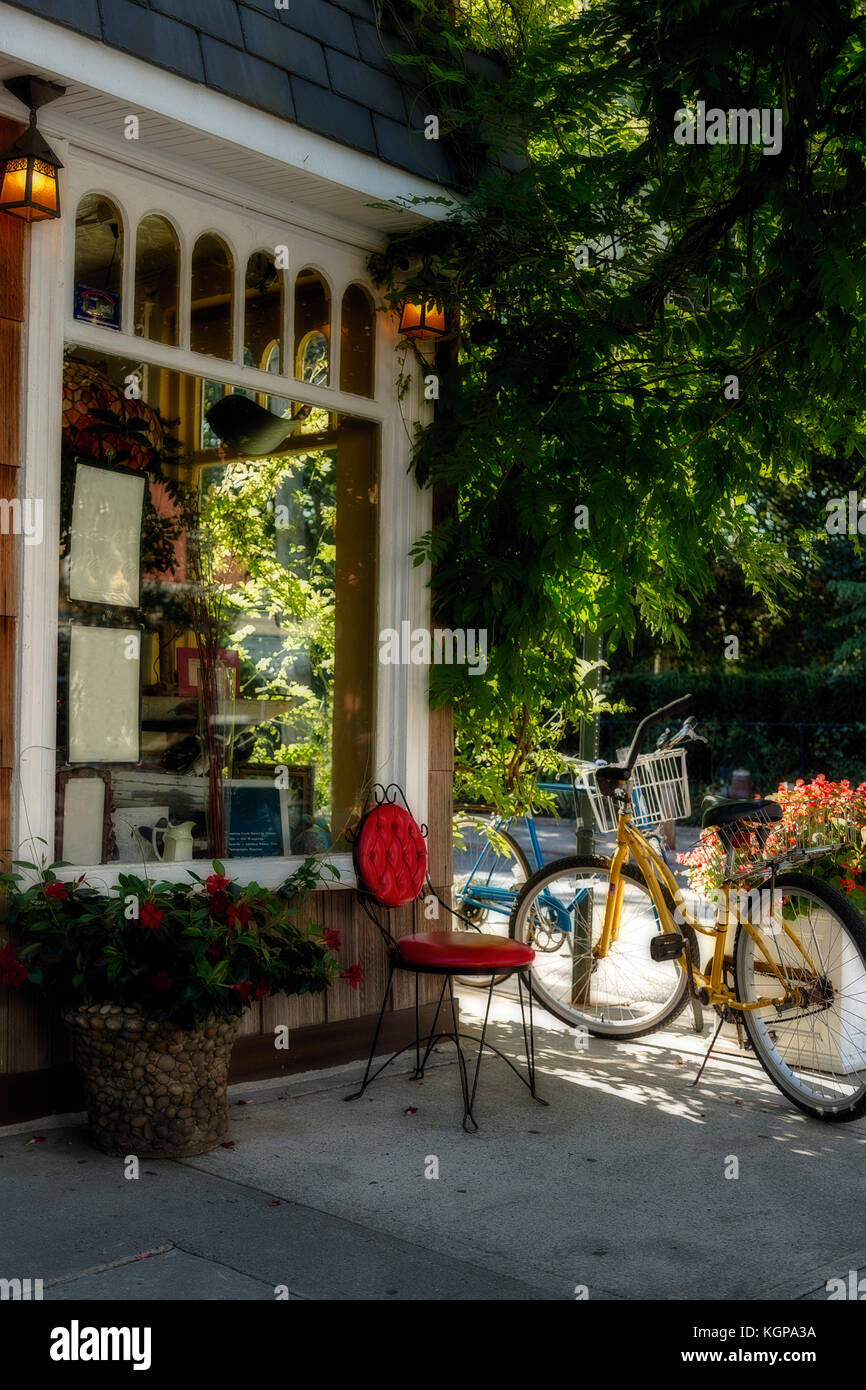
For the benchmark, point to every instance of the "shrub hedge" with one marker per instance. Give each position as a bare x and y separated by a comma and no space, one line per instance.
779,724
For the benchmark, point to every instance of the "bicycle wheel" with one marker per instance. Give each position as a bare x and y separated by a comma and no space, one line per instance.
484,896
814,1048
621,995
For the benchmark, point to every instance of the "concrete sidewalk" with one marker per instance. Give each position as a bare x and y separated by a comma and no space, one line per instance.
619,1186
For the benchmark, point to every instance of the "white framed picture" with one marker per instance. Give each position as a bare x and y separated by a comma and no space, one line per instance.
105,536
127,823
104,695
83,800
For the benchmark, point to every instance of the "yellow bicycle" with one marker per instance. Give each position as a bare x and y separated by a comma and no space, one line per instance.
787,953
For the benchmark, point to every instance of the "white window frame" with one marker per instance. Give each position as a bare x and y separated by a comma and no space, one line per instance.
401,703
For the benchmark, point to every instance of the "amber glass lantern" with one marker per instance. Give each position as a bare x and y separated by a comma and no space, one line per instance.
422,319
28,171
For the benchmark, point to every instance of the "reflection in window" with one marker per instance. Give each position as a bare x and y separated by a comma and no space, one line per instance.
211,307
357,338
262,721
263,312
157,273
312,328
98,260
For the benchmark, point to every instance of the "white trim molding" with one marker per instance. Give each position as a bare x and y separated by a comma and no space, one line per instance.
404,510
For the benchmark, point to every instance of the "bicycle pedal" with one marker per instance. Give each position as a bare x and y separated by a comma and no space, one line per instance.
667,946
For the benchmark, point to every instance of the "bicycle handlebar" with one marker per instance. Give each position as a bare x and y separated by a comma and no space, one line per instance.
655,718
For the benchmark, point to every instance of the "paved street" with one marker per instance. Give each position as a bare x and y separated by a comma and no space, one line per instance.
619,1185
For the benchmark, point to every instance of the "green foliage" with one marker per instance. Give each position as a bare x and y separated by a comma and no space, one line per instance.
741,714
603,384
187,952
285,573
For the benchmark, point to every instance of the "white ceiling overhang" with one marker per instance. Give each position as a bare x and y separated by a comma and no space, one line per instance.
195,136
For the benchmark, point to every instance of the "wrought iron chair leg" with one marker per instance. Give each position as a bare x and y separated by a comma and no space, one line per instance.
365,1082
528,1039
461,1065
418,1074
481,1046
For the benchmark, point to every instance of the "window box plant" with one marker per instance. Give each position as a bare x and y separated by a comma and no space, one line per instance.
152,979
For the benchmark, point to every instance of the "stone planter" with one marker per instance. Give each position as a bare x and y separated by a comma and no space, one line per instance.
151,1089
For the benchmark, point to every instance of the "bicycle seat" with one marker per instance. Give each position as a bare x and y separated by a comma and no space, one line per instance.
721,810
609,778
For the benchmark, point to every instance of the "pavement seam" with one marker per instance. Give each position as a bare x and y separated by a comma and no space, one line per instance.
112,1264
366,1229
244,1273
794,1288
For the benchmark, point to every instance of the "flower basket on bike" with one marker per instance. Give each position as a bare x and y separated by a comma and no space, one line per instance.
765,839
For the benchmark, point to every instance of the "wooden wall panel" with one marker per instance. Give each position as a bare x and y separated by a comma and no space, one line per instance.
13,242
7,693
26,1040
10,389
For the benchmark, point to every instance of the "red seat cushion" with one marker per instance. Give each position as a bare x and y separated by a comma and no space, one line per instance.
465,951
390,855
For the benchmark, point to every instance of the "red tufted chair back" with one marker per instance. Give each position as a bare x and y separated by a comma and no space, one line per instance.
390,855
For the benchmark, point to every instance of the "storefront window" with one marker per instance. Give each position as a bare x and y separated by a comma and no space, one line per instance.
357,337
263,313
211,306
98,261
216,656
157,274
312,328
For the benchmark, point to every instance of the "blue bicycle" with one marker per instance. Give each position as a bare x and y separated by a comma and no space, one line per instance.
487,893
497,867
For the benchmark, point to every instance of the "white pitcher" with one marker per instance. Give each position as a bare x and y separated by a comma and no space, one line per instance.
176,841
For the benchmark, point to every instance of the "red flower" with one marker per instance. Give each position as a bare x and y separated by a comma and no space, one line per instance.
150,916
216,883
214,952
219,902
332,938
56,890
848,884
238,915
161,980
262,991
353,975
12,971
243,989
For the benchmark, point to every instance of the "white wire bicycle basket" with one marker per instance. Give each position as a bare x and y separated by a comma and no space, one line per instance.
756,844
658,790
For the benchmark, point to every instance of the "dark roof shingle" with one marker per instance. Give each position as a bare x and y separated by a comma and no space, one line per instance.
321,63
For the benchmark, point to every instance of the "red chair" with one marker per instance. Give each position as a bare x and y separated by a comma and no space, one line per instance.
390,857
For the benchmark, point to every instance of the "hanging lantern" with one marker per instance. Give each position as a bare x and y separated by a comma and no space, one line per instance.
422,319
29,186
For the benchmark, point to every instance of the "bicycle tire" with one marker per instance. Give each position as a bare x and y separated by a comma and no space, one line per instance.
762,1045
483,981
569,1014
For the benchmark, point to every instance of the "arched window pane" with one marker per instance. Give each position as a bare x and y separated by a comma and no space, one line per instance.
356,342
312,329
263,313
211,308
157,272
98,260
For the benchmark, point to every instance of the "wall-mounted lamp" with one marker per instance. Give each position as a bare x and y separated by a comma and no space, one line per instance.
28,171
419,319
